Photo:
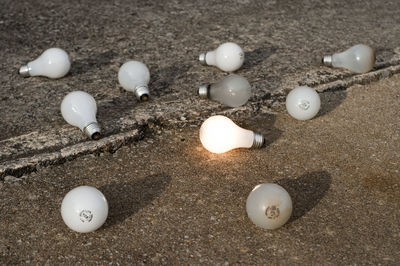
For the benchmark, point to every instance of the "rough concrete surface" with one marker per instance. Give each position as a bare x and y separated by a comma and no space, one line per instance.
170,200
283,41
173,202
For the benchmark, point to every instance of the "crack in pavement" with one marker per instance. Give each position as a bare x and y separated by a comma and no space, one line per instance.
25,153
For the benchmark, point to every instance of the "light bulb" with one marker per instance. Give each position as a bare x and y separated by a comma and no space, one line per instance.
84,209
219,134
232,91
79,109
303,103
134,76
53,63
269,206
227,57
360,59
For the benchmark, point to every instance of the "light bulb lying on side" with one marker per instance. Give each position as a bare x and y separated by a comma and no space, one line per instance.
84,209
227,57
79,109
303,103
134,76
219,134
232,91
53,63
269,206
359,59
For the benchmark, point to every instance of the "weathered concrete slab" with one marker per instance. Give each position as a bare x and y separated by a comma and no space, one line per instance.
282,41
172,202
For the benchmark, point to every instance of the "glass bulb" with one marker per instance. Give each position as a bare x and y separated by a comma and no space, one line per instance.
134,76
303,103
227,57
79,109
84,209
232,91
359,59
219,134
53,63
269,206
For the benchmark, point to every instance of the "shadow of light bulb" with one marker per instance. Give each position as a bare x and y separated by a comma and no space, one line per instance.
359,59
134,76
53,63
79,109
219,134
227,57
232,91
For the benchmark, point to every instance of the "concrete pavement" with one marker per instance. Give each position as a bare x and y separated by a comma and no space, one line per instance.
170,200
283,42
173,202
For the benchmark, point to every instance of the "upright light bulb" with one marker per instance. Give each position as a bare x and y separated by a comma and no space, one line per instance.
134,76
303,103
228,57
269,206
79,109
53,63
359,59
219,134
84,209
232,91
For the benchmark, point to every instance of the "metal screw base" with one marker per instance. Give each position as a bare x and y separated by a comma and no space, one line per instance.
327,60
92,131
203,91
258,141
24,71
142,93
202,59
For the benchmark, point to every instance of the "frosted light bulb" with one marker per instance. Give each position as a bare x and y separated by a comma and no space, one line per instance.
359,59
134,76
232,91
303,103
219,134
84,209
227,57
79,109
269,206
53,63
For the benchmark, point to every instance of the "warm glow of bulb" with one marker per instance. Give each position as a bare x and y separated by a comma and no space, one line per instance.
219,134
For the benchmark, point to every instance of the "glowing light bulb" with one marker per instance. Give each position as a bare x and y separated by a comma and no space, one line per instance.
360,59
84,209
134,76
53,63
303,103
232,91
79,109
227,57
219,134
269,206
